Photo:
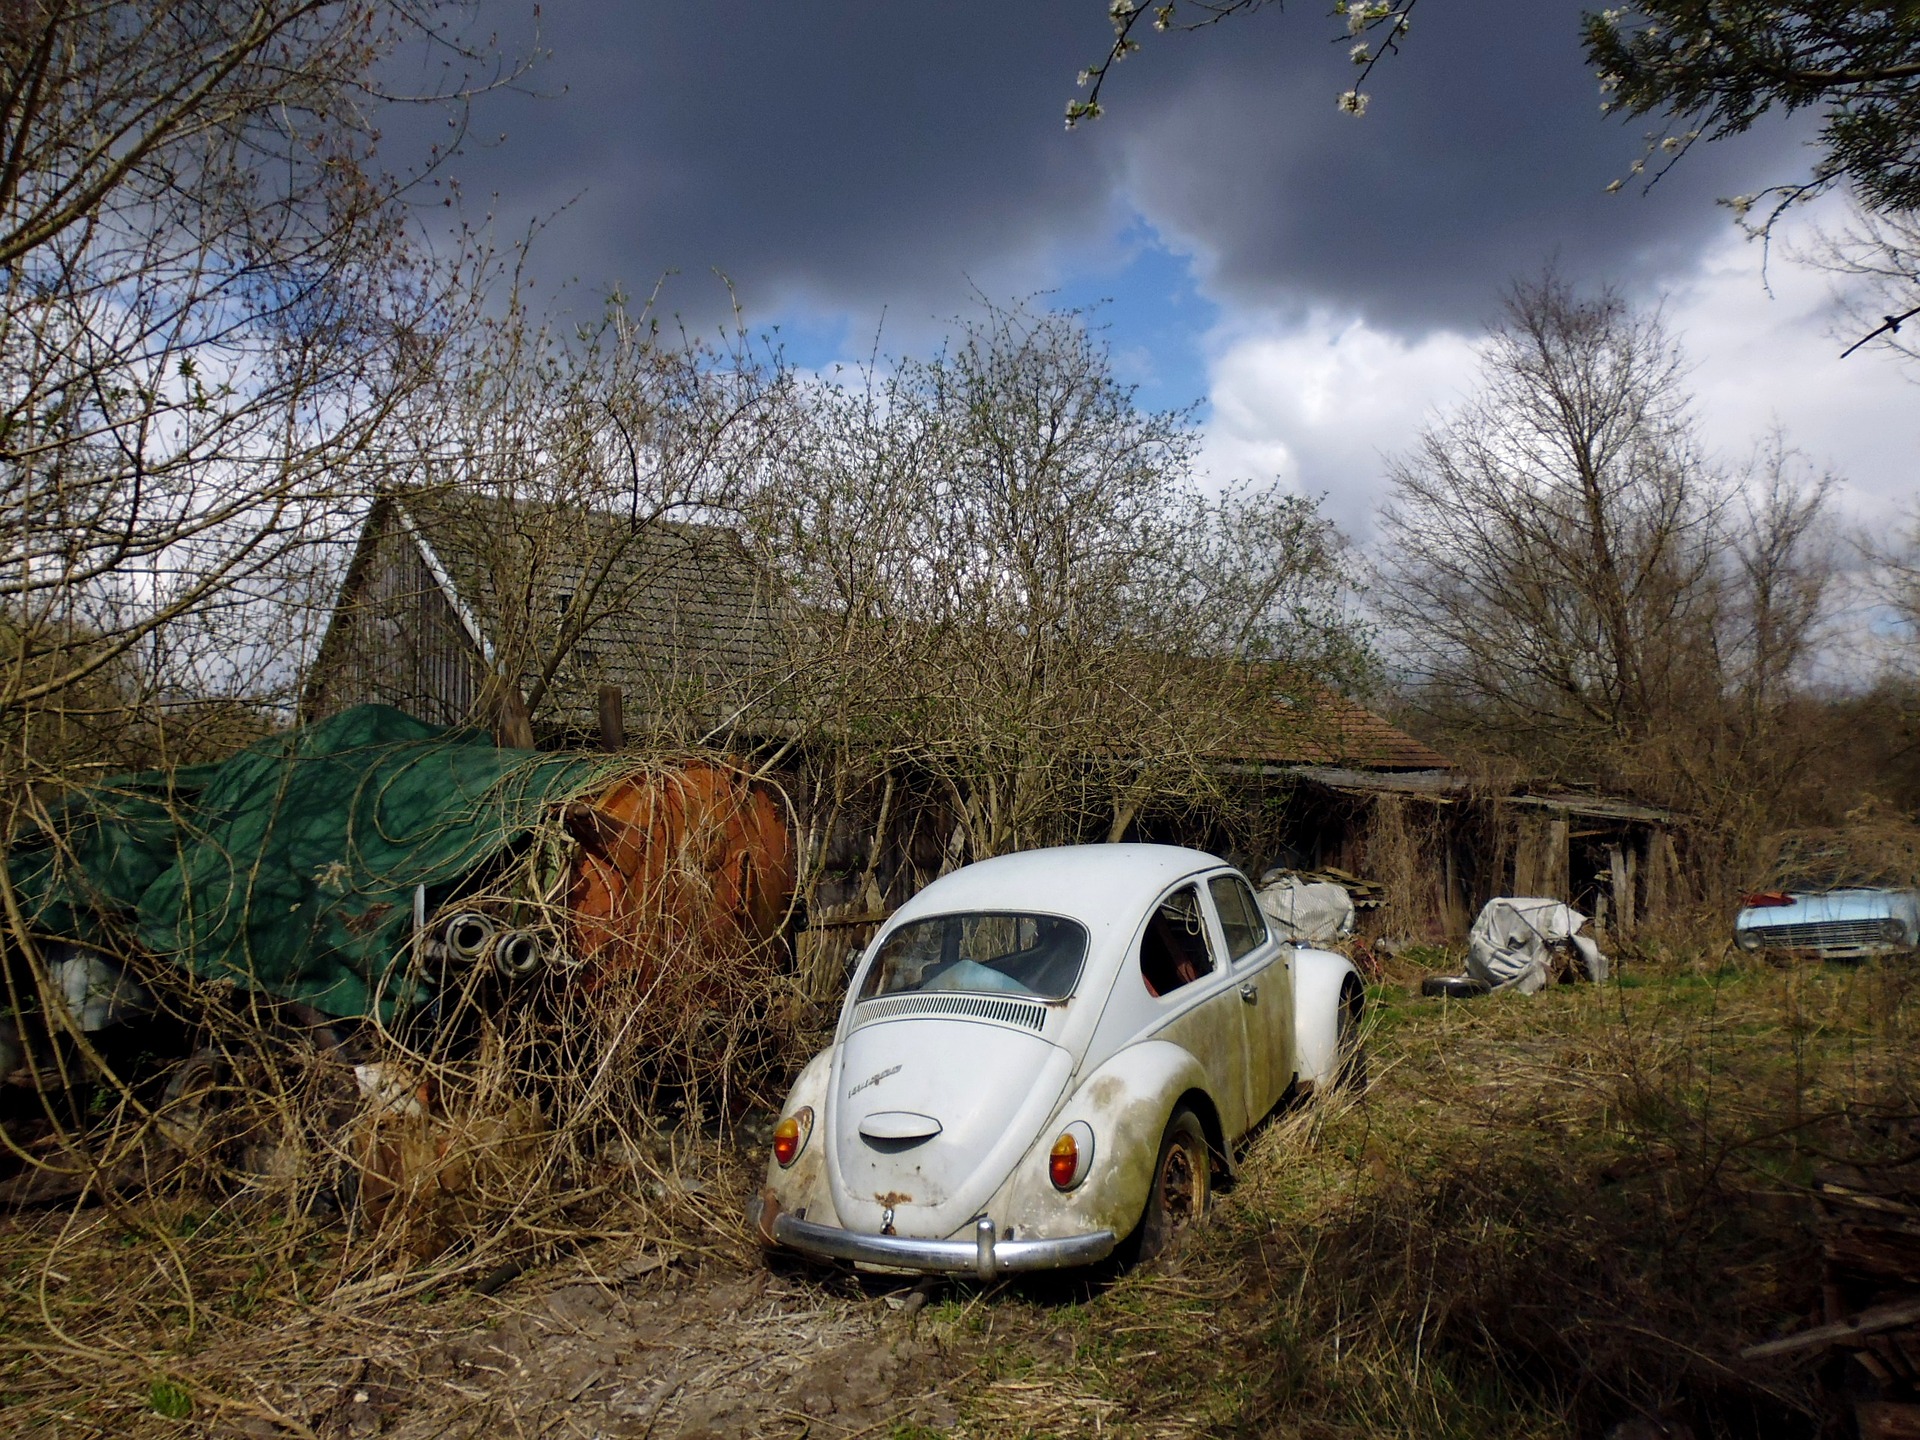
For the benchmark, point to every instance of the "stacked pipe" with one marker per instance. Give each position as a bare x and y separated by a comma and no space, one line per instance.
478,938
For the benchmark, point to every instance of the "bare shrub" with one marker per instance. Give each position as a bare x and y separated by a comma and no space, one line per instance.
1003,590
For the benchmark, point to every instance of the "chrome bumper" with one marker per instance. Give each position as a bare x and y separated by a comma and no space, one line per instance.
986,1255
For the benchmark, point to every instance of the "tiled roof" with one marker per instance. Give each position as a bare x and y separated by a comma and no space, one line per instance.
1319,727
679,618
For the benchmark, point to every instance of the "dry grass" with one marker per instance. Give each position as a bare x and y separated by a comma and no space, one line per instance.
230,1231
1547,1216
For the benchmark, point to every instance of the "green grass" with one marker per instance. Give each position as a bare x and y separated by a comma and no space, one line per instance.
169,1401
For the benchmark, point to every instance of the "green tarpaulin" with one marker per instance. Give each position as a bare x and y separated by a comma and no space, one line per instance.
291,867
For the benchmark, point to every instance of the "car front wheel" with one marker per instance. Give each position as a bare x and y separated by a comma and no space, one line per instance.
1182,1186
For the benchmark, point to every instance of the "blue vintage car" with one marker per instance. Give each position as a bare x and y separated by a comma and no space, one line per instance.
1849,924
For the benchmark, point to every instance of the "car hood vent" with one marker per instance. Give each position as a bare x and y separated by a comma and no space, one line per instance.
1024,1013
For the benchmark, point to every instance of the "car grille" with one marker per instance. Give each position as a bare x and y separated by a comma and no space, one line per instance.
1823,934
981,1007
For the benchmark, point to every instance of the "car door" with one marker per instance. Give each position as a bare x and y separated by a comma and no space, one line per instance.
1263,986
1186,972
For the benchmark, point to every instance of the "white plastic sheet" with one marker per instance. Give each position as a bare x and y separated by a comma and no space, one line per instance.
95,990
1513,943
1314,912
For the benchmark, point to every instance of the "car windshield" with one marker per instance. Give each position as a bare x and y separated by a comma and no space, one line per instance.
1000,954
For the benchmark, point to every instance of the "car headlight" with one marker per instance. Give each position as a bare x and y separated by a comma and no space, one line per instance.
790,1136
1894,928
1747,939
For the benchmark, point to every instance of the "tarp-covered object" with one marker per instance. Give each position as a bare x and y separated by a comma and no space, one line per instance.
290,868
1514,942
1314,912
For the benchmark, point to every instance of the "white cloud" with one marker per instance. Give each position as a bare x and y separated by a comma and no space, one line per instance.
1319,401
1762,358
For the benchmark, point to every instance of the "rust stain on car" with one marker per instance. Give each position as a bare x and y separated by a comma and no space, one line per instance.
893,1198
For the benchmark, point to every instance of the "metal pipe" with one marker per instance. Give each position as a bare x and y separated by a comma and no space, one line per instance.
517,953
469,934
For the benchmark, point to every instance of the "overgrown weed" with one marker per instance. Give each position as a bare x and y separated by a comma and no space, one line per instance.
1546,1216
243,1217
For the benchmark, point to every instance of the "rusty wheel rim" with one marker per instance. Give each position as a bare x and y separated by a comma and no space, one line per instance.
1179,1186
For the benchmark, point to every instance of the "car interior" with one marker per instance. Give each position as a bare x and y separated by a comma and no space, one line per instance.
1038,955
1174,949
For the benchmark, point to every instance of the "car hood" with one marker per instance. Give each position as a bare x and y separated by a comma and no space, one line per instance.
926,1117
1831,906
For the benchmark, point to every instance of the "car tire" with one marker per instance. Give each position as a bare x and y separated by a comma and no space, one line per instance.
1181,1188
1454,987
1350,1046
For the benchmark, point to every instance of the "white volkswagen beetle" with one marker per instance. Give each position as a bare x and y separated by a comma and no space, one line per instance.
1045,1057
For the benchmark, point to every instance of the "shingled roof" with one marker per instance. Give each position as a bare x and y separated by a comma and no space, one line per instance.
675,612
680,623
1321,727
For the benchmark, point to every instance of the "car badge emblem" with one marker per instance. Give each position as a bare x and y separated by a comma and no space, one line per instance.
886,1221
873,1080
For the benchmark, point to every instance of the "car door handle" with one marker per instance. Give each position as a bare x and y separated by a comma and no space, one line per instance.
1249,992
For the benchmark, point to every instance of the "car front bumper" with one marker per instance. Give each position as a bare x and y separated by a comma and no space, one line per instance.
986,1255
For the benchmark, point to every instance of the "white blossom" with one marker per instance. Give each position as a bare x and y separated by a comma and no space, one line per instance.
1353,102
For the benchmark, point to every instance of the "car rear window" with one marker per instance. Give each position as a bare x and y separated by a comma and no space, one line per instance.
985,952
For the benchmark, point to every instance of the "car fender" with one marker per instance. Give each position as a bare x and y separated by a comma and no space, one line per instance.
1126,1102
1319,976
803,1186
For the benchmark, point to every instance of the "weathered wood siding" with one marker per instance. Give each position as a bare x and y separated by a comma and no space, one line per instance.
395,638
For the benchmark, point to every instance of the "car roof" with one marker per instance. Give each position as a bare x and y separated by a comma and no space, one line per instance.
1097,884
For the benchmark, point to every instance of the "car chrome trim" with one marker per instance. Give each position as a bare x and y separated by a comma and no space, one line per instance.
899,1125
1820,934
984,1255
1027,1013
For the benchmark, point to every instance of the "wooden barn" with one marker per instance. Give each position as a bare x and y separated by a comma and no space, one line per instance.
568,628
455,605
1435,847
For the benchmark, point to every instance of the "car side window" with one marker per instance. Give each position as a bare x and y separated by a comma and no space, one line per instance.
1240,918
1174,949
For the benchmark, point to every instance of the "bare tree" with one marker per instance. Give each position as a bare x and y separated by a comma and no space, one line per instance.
1546,540
211,301
1578,587
1004,584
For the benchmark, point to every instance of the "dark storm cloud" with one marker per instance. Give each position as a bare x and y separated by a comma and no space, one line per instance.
845,157
837,156
1483,156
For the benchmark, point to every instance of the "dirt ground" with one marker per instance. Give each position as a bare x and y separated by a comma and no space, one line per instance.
658,1348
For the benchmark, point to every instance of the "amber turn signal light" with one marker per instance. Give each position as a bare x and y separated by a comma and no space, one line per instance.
790,1136
1071,1154
1064,1160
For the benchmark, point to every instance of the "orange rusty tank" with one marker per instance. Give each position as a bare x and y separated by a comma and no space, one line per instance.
687,863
